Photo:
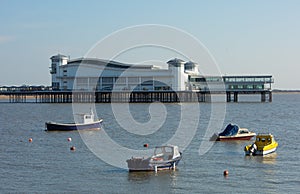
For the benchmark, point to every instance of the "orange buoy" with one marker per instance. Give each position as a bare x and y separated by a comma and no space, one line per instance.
30,139
146,145
225,173
72,148
69,139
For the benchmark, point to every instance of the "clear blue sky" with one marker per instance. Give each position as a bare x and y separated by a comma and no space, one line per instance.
245,37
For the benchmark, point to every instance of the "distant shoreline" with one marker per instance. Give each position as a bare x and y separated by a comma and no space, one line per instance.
4,97
286,91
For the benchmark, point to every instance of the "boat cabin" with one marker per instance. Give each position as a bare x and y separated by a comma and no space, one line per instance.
85,118
263,140
168,152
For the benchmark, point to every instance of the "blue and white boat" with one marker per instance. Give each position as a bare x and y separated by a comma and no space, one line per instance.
87,121
233,132
165,157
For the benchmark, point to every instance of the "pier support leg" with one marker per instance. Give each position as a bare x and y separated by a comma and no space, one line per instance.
263,97
228,95
270,97
235,98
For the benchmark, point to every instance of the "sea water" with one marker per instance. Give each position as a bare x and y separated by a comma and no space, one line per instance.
47,165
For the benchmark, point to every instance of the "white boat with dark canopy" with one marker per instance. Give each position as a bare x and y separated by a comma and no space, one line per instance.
86,122
233,132
164,157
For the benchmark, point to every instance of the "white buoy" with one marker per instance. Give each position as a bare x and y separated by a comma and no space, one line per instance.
69,139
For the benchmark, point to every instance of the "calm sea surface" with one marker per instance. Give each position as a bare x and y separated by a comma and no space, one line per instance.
46,165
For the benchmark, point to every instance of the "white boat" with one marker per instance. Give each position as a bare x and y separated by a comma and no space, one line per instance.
233,132
164,157
87,121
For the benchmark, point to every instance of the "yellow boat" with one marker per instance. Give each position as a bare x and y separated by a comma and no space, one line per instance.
263,145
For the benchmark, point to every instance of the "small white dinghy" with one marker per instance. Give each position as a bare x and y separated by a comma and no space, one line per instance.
164,157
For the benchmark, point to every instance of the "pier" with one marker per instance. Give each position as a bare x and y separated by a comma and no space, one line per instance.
106,97
234,86
122,97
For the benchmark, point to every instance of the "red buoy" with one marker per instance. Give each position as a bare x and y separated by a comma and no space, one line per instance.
225,173
72,148
30,139
146,145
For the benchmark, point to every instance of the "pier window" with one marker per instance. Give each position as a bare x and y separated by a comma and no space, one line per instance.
240,79
259,86
55,85
53,68
107,80
82,83
146,79
230,79
259,79
93,81
133,80
249,79
200,79
147,83
120,80
213,79
268,79
240,86
249,86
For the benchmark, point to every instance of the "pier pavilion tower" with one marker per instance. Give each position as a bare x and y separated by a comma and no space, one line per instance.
57,61
176,66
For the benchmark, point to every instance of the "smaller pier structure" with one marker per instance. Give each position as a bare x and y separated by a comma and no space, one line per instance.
237,85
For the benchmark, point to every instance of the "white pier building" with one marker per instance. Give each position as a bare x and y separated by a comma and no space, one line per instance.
90,74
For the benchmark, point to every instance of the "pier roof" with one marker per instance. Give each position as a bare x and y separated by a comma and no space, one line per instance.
109,63
58,56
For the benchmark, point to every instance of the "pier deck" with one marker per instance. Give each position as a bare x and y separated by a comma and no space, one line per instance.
132,97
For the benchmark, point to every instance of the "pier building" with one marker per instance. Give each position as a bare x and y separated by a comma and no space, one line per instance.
103,75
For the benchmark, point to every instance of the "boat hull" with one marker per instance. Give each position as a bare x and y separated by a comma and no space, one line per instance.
51,126
261,152
231,138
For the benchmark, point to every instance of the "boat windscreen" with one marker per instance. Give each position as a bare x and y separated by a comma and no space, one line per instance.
230,130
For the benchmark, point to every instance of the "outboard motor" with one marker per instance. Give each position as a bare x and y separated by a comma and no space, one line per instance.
253,149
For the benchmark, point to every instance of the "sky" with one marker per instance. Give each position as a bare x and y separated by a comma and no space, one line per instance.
244,37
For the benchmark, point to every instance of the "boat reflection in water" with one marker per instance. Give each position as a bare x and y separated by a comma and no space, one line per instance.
266,159
167,176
